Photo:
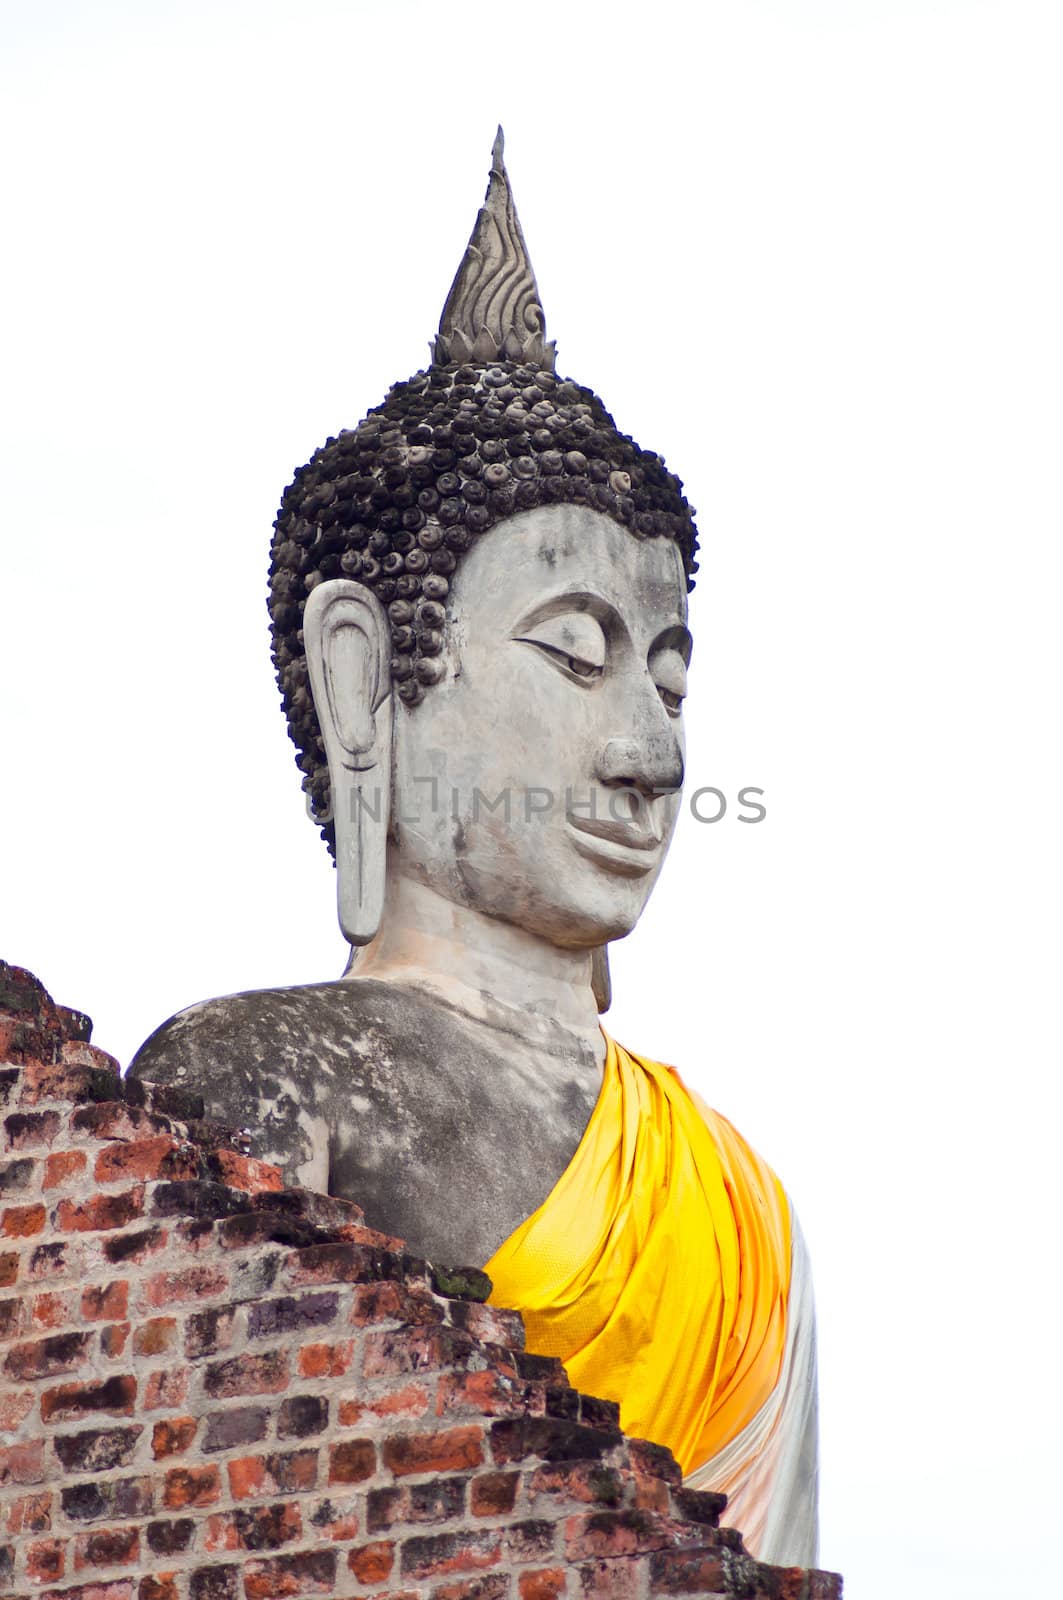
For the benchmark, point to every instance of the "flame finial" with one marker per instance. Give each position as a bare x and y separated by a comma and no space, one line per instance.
493,311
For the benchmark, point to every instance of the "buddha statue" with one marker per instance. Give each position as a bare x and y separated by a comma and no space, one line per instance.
479,608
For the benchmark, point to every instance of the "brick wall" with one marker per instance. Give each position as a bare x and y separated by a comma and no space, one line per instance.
217,1388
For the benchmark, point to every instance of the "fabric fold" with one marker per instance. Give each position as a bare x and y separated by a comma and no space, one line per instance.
658,1268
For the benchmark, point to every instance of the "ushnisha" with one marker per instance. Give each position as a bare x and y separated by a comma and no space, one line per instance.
478,599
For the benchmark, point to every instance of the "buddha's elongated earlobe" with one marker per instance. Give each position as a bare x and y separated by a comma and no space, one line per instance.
347,640
601,982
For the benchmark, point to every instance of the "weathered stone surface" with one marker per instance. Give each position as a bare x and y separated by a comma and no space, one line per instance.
379,1094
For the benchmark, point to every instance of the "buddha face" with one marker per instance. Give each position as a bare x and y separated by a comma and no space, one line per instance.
538,781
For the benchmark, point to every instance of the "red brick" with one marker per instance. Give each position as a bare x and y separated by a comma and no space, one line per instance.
166,1389
616,1533
337,1522
134,1248
56,1259
558,1438
194,1234
21,1222
78,1052
48,1358
412,1304
114,1119
105,1302
76,1076
214,1583
9,1260
410,1400
191,1486
170,1537
13,1318
687,1572
207,1332
391,1352
102,1213
113,1498
114,1395
824,1585
235,1428
337,1263
97,1450
46,1560
247,1477
547,1583
193,1283
15,1407
62,1166
612,1580
493,1494
30,1514
353,1233
455,1450
163,1586
302,1416
651,1494
372,1563
54,1308
106,1547
113,1339
254,1528
277,1473
352,1461
18,1176
433,1501
495,1393
291,1314
654,1460
588,1481
155,1337
248,1374
302,1572
160,1157
488,1586
437,1555
530,1540
29,1130
490,1323
172,1437
244,1172
22,1463
326,1360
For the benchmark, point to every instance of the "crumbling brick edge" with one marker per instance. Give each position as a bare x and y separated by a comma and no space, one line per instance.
215,1387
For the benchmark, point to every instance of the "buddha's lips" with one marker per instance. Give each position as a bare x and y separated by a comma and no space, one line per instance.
627,848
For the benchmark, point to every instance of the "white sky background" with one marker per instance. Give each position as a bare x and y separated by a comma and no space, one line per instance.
810,251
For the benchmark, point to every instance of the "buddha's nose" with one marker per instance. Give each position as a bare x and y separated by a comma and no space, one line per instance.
651,763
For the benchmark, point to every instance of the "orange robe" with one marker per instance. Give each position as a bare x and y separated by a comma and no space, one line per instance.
658,1268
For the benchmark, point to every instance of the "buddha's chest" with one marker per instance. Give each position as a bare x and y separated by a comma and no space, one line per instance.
451,1145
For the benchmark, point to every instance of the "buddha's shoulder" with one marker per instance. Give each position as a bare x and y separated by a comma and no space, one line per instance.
311,1035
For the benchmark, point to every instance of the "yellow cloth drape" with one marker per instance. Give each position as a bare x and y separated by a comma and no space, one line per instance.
658,1267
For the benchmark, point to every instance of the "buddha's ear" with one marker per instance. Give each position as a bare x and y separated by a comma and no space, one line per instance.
348,650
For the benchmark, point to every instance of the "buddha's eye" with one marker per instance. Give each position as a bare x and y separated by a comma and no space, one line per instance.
582,669
670,675
573,642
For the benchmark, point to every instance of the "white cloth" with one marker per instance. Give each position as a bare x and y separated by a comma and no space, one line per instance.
770,1471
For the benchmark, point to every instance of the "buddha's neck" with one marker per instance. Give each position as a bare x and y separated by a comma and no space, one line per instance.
490,971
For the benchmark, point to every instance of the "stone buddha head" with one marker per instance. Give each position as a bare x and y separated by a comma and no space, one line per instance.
478,599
